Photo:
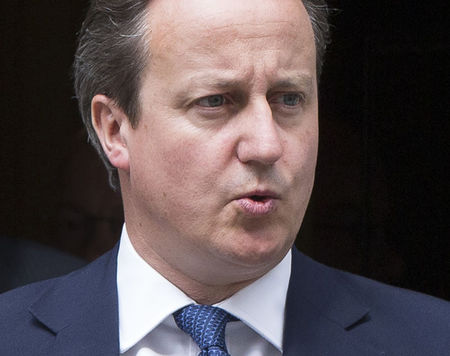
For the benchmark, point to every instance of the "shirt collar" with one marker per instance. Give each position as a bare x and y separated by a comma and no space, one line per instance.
261,304
146,298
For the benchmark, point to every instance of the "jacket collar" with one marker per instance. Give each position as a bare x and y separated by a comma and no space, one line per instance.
81,309
321,310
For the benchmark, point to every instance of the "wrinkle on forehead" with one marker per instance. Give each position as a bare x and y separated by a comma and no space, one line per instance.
213,40
249,29
173,20
227,34
222,12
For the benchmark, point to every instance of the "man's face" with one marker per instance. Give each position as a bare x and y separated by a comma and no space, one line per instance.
221,165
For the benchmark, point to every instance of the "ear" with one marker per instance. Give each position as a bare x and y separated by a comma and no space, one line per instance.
111,125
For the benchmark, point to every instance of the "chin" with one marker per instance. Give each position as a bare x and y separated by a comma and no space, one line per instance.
260,253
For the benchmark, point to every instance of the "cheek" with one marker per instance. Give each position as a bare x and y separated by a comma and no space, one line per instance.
178,161
302,159
302,152
187,166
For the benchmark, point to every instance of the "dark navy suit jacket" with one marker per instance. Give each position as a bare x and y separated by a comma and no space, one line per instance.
24,261
328,312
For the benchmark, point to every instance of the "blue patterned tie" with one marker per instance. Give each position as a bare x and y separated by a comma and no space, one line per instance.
206,325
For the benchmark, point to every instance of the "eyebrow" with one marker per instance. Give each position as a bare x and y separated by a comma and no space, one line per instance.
225,82
297,79
205,81
219,82
300,80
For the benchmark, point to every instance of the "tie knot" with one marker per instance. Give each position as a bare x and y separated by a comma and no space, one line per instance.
206,325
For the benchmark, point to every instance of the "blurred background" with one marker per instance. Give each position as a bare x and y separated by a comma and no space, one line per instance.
380,206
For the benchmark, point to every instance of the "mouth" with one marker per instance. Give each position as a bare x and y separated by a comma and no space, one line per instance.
258,198
258,203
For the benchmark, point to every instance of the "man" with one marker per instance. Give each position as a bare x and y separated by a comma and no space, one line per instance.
206,111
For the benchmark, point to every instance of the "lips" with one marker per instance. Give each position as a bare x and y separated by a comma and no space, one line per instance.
258,203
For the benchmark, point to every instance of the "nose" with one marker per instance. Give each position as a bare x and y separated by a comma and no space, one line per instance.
260,140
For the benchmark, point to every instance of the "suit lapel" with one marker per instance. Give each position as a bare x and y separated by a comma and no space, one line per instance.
320,312
81,309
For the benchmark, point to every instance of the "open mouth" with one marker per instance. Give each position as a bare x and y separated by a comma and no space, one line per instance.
258,198
258,204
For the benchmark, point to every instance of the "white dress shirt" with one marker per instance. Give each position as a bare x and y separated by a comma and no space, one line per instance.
147,301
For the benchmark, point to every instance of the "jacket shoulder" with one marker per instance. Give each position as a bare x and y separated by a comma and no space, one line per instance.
62,315
388,318
17,324
405,319
403,304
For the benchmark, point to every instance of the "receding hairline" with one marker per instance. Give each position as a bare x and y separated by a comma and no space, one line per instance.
216,20
155,38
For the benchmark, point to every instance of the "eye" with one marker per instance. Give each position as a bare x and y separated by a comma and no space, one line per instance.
288,99
291,99
212,101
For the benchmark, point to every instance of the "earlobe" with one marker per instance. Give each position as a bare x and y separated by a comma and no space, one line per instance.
111,124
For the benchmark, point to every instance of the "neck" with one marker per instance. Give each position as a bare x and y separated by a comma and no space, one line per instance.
208,294
203,292
205,279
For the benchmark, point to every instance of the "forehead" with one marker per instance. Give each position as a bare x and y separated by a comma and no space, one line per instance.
216,45
218,13
189,23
